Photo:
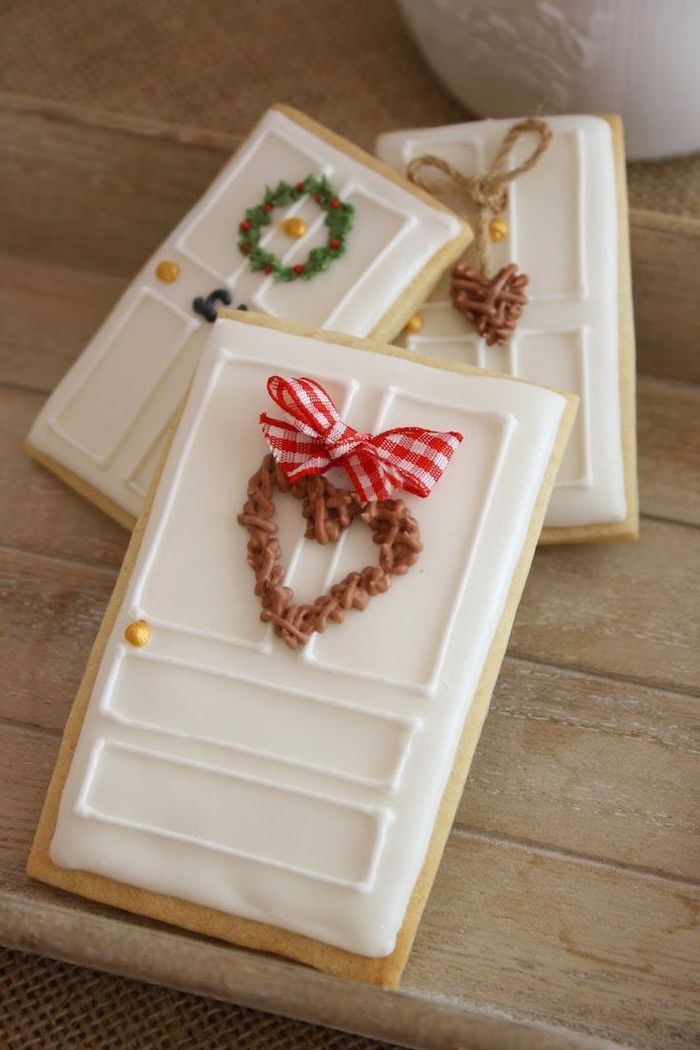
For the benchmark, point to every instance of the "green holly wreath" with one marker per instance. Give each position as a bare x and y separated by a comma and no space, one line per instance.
339,220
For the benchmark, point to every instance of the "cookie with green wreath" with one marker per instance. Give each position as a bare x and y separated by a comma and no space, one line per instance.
338,222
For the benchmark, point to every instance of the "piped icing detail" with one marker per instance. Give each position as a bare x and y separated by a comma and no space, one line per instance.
328,511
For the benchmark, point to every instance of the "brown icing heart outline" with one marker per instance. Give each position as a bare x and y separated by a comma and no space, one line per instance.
328,511
492,304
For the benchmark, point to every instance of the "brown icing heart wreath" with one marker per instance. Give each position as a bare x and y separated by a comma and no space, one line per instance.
493,305
328,511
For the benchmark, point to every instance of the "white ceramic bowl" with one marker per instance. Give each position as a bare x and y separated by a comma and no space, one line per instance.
508,58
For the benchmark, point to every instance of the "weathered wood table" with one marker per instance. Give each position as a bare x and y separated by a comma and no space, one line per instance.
568,899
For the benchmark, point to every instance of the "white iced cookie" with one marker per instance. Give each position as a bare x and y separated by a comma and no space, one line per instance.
347,245
289,798
565,226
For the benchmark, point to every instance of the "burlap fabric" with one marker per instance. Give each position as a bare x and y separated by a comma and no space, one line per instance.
218,64
47,1005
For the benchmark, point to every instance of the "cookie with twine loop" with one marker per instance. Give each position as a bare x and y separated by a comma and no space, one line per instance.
492,304
328,512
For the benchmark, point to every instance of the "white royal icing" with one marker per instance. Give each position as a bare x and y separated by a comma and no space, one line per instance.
562,220
300,788
106,420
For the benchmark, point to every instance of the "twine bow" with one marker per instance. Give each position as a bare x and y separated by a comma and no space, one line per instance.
489,191
408,457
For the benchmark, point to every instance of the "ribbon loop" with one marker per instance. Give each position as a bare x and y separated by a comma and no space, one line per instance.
410,457
307,401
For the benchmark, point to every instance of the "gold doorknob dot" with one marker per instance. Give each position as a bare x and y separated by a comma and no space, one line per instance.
414,324
294,227
498,229
167,271
138,634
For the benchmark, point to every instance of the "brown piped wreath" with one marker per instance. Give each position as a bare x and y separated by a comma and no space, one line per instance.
492,304
328,512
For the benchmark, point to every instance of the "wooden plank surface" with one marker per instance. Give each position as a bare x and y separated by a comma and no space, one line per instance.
569,893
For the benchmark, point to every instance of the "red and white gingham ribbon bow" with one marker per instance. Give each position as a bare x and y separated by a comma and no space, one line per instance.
408,457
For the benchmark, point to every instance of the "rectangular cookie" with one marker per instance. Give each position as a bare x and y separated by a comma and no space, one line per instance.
298,800
102,428
567,228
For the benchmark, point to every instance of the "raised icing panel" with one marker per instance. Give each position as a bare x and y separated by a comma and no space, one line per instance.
562,220
353,737
132,361
563,357
211,808
140,477
561,272
104,421
155,693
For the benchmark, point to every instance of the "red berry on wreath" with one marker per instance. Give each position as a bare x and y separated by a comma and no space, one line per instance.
298,268
334,244
317,198
245,248
267,269
299,187
245,225
335,203
268,207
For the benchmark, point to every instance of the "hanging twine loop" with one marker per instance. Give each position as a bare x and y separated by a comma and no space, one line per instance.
487,192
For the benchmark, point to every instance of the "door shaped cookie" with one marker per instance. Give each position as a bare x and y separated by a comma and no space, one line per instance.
296,798
299,224
565,226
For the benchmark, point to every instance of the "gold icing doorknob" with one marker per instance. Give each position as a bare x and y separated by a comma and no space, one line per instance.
498,229
138,634
294,227
414,324
167,271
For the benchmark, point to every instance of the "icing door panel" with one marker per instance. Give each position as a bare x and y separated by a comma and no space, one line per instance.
300,787
562,223
123,378
210,808
106,420
242,713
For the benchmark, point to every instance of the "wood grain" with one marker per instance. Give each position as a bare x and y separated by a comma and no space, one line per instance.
536,933
70,305
102,184
626,609
569,891
37,512
666,278
597,767
668,436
